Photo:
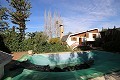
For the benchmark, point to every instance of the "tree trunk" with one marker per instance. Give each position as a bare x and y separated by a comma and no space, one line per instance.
22,31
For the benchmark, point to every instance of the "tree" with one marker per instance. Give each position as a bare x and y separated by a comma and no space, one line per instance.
3,16
48,25
111,39
52,24
40,40
19,14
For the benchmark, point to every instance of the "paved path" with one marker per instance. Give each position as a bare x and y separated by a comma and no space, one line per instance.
18,55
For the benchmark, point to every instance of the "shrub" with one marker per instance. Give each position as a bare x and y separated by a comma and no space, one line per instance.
38,43
84,48
112,46
11,40
54,40
48,47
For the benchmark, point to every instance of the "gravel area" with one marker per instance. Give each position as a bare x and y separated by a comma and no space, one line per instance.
112,76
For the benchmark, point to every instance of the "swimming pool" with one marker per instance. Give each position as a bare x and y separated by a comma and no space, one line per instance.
61,60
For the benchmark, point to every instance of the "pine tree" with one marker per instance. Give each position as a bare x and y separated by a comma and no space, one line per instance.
19,14
3,16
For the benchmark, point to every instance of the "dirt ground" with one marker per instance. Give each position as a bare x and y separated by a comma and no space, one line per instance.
18,55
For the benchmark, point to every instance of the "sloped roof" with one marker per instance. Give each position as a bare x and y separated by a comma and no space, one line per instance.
4,58
64,38
83,32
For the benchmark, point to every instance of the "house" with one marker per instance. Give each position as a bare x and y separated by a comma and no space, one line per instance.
86,37
4,59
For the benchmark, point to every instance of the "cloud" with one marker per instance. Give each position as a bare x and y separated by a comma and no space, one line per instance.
89,14
76,24
95,7
77,15
81,15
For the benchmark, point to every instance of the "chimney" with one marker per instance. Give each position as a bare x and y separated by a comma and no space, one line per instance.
61,31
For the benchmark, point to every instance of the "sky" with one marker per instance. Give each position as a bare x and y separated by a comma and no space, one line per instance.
77,15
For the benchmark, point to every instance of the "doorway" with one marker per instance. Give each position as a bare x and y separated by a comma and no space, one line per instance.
80,41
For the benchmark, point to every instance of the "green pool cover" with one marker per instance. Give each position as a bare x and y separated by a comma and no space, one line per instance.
61,60
105,62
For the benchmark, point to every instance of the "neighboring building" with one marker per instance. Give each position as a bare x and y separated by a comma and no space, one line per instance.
73,40
4,59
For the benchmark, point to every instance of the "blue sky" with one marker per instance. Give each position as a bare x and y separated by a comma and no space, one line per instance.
77,15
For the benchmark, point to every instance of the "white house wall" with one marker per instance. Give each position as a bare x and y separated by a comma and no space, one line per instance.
91,36
69,42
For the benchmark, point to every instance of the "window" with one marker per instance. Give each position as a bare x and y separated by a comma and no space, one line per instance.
73,39
94,35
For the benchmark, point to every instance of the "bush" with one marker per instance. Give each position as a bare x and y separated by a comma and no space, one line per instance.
84,48
54,40
38,43
59,47
98,42
11,40
112,46
48,47
111,40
